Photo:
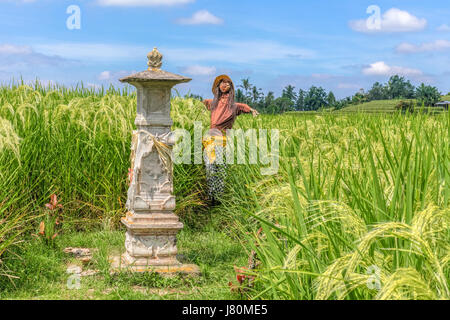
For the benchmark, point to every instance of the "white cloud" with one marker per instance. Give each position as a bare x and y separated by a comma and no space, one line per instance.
380,68
393,20
19,1
95,51
142,3
444,28
250,52
201,17
16,57
105,75
13,49
197,70
424,47
113,75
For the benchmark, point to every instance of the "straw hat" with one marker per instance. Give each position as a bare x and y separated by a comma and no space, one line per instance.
219,78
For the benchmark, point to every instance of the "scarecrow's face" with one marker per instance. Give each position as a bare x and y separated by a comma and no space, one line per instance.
225,86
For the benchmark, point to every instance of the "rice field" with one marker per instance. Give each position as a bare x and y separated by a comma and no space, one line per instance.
358,210
386,106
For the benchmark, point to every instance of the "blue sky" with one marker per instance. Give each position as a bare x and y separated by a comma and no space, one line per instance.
274,43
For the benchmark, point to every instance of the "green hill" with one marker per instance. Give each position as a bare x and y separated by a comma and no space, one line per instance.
373,106
382,106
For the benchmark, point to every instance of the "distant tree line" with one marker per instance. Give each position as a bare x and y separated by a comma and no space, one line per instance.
290,100
399,88
317,98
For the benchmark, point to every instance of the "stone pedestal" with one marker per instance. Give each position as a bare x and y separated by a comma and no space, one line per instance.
151,224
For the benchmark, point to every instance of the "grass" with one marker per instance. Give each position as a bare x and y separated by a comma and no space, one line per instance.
42,272
354,194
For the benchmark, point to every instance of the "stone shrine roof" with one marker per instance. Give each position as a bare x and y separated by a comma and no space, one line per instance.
154,73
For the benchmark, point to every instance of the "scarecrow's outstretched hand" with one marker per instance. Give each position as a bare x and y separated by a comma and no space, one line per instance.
207,103
255,112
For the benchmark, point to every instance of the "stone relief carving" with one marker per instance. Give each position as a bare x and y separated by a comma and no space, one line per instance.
152,166
150,246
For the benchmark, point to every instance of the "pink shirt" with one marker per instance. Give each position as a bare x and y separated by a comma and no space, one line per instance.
222,117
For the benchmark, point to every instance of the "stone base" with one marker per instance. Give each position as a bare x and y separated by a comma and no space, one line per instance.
151,239
145,261
119,263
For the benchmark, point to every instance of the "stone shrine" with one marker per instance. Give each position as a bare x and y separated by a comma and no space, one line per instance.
151,223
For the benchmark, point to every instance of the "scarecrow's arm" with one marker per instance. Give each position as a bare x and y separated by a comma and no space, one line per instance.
243,108
207,103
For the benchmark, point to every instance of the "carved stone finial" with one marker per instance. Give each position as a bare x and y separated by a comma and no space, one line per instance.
154,59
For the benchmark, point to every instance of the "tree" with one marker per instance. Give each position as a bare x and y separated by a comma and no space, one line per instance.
395,87
247,90
268,101
283,104
360,97
315,98
331,99
378,92
410,90
427,95
300,103
288,92
245,84
256,94
342,103
399,88
240,96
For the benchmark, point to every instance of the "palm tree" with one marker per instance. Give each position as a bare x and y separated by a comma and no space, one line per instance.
245,84
268,101
256,94
427,95
331,99
300,103
288,92
240,97
247,89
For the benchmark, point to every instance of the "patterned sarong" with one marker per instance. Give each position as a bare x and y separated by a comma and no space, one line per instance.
215,165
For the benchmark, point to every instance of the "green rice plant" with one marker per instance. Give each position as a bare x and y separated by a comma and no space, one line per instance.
353,192
365,192
9,140
15,218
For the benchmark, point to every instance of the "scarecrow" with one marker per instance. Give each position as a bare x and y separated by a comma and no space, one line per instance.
224,111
